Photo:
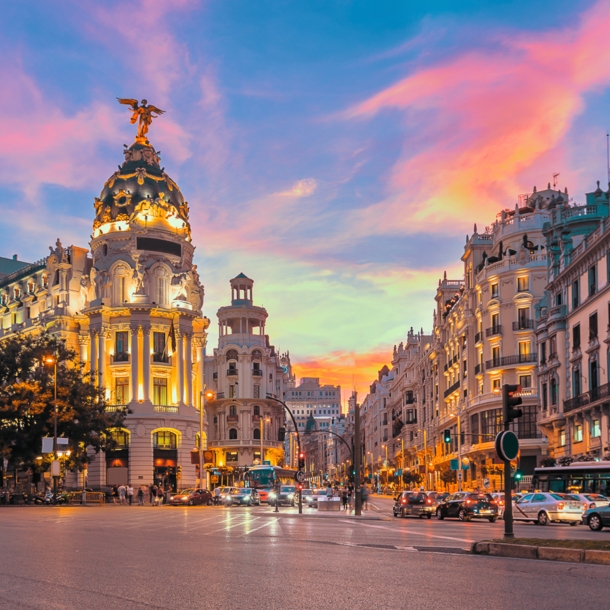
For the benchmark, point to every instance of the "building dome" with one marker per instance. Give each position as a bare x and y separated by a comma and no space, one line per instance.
140,189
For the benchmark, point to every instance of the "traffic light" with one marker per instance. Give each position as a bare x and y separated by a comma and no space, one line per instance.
509,402
447,436
518,476
301,460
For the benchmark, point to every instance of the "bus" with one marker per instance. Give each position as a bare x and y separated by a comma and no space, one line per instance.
264,477
578,477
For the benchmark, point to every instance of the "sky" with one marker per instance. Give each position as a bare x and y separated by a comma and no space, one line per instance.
337,152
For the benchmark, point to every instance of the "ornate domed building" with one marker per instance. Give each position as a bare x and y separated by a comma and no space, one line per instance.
134,312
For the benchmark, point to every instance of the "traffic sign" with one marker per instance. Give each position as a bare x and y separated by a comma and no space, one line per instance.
300,476
507,445
460,475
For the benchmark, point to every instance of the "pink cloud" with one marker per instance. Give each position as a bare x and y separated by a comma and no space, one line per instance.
481,119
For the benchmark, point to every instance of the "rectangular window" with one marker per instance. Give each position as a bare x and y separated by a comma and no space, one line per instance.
232,456
562,437
593,326
576,382
160,391
592,280
576,337
522,317
494,291
595,429
524,351
122,289
257,391
121,390
159,342
495,385
553,392
495,322
545,400
495,355
526,426
121,343
523,284
553,347
525,381
575,294
577,433
231,391
543,352
558,299
465,368
474,428
491,423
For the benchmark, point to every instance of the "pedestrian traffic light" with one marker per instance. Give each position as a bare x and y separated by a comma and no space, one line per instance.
510,401
518,475
301,460
447,436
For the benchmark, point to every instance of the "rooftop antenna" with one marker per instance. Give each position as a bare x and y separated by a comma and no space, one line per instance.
555,176
608,155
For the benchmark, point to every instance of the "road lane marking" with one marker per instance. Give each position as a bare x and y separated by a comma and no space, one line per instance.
260,528
224,529
405,531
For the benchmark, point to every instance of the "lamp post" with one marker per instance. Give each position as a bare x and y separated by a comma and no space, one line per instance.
263,421
386,463
53,360
206,395
459,448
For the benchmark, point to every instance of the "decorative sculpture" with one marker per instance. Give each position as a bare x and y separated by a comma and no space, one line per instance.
143,114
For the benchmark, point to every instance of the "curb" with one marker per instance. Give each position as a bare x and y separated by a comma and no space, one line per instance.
548,553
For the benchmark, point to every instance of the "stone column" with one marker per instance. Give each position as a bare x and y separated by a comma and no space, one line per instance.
83,341
93,357
180,354
146,361
189,368
135,368
200,344
102,357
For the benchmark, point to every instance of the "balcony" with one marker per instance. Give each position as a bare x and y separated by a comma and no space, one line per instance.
120,357
257,373
410,400
603,391
220,395
232,418
231,372
479,368
478,337
508,360
115,408
453,388
164,358
494,330
165,409
524,324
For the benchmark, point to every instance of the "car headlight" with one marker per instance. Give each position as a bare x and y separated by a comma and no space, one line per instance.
272,495
290,496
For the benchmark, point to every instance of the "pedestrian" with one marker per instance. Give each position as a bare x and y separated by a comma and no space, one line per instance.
140,496
329,492
365,497
115,494
130,494
344,498
350,498
159,495
152,494
122,491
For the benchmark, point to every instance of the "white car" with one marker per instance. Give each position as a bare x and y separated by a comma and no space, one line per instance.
543,508
590,500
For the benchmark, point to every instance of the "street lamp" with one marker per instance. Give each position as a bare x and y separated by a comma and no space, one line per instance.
53,360
459,444
265,420
206,395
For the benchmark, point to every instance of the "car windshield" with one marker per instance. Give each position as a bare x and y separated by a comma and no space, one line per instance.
479,497
288,489
561,497
187,491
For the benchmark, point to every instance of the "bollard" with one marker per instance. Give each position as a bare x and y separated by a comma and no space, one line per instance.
84,499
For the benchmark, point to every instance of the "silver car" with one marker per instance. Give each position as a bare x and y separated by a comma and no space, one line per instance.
544,508
590,500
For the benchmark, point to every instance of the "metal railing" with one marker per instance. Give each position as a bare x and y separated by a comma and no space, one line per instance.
165,409
161,358
479,368
231,372
478,337
494,330
508,360
115,408
524,324
257,373
452,389
603,391
120,357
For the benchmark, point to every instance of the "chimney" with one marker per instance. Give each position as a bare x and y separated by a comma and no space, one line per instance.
15,257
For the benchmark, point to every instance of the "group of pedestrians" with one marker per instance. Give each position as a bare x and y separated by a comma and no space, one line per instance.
347,493
124,494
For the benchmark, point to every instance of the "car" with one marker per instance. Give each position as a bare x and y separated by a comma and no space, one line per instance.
287,495
222,495
263,494
543,508
190,497
466,505
597,518
590,500
308,498
243,496
499,498
417,504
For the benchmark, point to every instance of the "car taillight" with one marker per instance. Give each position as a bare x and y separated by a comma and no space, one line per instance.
428,501
467,501
403,501
560,506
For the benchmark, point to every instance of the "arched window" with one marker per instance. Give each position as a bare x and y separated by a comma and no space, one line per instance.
257,410
164,439
257,355
159,292
256,434
120,437
232,410
120,285
232,434
232,354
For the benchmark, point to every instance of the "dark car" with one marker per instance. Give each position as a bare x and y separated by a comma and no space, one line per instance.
597,518
287,495
190,497
244,496
417,504
465,505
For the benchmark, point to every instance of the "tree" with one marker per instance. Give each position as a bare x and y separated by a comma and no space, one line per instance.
27,403
412,478
449,476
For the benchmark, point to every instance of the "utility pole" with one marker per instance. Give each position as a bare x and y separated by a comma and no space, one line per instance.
357,452
460,474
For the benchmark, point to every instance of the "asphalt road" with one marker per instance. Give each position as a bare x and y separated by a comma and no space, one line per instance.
213,557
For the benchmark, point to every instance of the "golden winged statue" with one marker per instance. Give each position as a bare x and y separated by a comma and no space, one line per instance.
142,113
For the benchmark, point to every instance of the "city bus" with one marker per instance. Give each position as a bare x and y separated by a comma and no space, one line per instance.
264,477
578,477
